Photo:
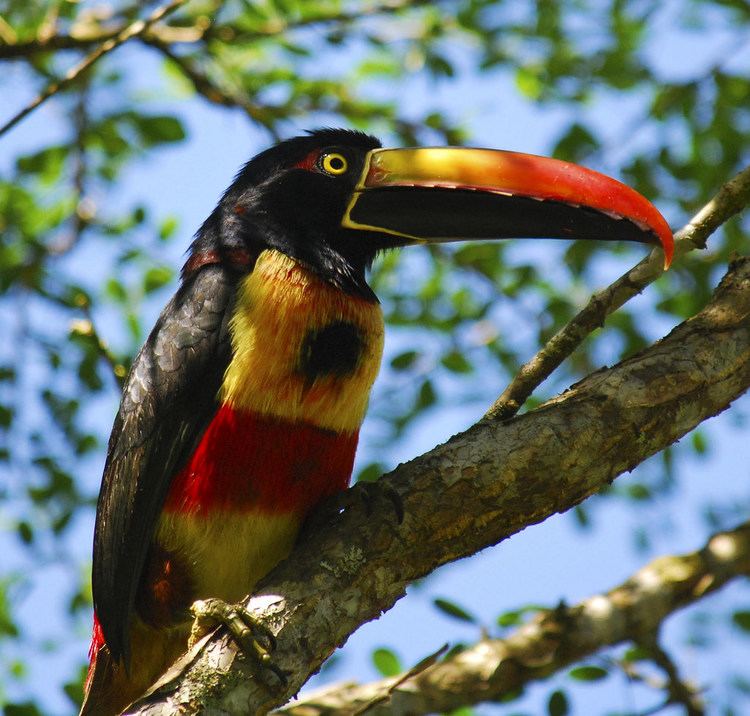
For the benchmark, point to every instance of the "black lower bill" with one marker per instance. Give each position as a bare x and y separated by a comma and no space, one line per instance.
451,214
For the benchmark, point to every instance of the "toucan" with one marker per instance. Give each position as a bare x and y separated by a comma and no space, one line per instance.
241,412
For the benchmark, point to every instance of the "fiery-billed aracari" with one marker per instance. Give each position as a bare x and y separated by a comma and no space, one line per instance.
242,409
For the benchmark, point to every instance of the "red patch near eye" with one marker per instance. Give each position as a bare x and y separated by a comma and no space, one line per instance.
309,161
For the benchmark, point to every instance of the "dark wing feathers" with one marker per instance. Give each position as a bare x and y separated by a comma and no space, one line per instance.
169,398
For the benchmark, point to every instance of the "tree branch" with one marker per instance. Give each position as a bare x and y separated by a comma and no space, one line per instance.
480,487
553,639
133,30
168,34
680,691
732,198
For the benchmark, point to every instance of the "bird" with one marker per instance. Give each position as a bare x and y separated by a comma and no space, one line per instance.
242,410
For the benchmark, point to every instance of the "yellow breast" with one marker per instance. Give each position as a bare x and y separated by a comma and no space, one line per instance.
302,349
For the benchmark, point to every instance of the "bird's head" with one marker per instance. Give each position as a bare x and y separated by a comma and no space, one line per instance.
334,198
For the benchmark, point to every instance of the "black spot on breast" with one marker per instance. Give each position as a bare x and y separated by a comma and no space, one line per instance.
332,350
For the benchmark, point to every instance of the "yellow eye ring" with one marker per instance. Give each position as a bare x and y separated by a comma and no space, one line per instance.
335,164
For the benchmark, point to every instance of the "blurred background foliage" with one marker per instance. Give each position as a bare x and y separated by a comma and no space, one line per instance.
655,93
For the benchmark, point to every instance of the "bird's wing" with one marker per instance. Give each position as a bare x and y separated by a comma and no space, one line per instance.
168,401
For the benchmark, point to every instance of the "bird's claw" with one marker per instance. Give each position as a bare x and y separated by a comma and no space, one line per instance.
370,492
362,494
255,639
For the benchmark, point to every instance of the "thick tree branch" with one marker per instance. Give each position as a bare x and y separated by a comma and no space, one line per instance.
732,198
554,639
133,30
474,491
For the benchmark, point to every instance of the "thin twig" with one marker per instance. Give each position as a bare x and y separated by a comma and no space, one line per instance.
84,207
133,30
394,683
732,198
680,691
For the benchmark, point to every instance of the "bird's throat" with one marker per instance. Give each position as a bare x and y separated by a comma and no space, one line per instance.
303,351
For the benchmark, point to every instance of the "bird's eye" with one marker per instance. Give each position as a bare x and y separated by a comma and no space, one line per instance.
334,163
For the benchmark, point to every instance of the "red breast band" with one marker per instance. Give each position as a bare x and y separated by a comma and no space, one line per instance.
251,462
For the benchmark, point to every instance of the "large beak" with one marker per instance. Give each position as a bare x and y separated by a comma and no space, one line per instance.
450,194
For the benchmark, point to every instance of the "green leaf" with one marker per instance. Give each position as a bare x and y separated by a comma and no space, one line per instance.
7,624
637,653
510,618
6,416
639,491
158,129
18,669
588,673
577,143
157,277
386,662
455,650
48,163
168,227
700,444
7,372
453,610
581,515
558,705
26,708
456,362
405,360
439,65
529,83
514,617
426,396
382,65
115,290
25,532
741,619
134,326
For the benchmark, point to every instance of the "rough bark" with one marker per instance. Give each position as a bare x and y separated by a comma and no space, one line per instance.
551,641
478,488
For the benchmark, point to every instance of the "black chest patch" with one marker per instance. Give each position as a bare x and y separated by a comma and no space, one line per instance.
333,350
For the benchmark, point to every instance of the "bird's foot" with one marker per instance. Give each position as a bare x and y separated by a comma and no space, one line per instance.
366,495
254,638
370,493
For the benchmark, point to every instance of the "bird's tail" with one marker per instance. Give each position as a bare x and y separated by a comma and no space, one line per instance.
99,698
110,686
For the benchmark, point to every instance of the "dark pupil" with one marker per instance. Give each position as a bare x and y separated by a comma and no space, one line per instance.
336,163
